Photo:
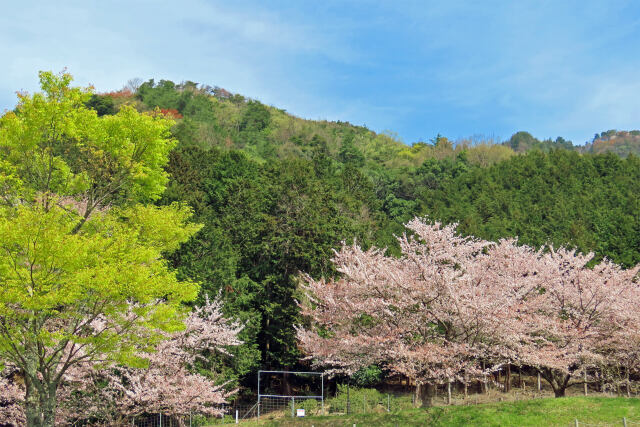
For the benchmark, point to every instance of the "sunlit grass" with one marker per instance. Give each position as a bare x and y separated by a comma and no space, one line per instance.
535,412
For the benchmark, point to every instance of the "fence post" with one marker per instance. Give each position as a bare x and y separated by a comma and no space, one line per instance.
237,416
539,385
322,389
449,392
293,407
190,418
160,419
584,371
624,421
576,422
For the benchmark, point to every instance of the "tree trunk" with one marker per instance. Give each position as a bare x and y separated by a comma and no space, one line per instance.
286,385
559,392
559,381
32,404
599,376
40,404
520,376
430,393
507,379
49,407
424,395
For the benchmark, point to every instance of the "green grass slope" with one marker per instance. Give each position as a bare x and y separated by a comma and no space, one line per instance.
538,412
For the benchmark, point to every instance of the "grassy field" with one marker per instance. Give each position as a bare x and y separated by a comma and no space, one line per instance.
538,412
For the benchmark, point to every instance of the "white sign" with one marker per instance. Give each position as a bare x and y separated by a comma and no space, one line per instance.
300,412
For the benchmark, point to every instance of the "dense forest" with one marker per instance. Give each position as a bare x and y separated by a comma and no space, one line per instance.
276,194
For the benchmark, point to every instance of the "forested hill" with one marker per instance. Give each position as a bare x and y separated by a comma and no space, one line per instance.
619,142
212,117
276,193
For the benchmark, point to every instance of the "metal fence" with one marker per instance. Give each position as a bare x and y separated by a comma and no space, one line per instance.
160,420
345,401
231,413
342,399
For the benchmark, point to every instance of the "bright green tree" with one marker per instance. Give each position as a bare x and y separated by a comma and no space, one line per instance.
82,274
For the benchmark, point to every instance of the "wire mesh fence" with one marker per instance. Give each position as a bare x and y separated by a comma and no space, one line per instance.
342,401
229,414
160,420
271,407
361,401
357,401
338,399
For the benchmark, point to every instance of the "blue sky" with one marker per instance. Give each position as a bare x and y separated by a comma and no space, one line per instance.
458,68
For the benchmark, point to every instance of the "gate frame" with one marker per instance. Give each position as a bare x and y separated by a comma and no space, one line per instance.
292,397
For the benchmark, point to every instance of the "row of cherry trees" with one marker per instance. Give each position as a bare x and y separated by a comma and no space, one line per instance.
169,384
453,308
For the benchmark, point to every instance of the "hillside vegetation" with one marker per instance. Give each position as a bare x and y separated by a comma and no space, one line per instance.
276,193
621,143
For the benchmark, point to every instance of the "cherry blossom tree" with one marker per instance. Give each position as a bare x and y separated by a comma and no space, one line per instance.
423,315
623,346
579,315
11,403
450,304
169,385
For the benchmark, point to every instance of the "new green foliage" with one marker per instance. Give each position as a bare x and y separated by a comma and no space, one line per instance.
82,277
